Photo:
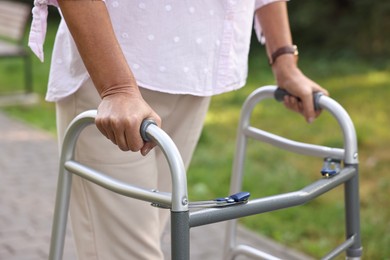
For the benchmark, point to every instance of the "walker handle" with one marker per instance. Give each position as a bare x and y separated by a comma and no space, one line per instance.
281,93
144,126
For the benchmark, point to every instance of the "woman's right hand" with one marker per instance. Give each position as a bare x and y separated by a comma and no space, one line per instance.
119,118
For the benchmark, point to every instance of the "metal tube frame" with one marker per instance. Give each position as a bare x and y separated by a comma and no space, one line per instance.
183,220
348,175
177,201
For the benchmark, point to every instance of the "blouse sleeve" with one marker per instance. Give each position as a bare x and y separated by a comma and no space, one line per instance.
258,30
39,26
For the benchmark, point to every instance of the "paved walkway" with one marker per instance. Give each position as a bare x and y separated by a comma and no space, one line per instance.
28,167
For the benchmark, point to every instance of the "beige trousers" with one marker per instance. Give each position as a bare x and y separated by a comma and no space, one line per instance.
108,225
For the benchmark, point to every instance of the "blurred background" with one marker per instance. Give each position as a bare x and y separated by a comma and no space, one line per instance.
344,46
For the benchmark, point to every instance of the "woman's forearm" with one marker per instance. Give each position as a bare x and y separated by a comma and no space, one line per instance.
275,25
90,26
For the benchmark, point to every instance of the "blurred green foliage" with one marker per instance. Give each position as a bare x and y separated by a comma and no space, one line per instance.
342,27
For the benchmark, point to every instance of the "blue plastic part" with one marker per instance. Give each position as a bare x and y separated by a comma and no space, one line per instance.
330,168
238,197
328,172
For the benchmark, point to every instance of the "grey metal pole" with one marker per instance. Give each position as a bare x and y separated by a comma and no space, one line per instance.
64,185
352,215
271,203
60,215
180,233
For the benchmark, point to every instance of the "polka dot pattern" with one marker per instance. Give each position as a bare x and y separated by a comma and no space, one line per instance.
174,44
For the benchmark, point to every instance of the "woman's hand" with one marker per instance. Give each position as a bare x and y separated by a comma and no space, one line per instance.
274,22
119,118
289,77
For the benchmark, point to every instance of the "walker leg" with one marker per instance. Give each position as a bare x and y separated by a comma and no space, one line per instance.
352,215
60,215
180,235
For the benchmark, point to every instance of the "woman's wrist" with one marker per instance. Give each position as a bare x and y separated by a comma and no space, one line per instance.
284,50
284,65
124,88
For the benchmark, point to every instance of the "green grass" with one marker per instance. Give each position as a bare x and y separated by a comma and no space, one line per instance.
41,115
360,86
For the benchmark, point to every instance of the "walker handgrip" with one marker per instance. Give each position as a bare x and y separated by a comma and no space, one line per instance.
280,93
144,126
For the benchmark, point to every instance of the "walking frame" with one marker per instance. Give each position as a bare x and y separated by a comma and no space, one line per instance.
182,219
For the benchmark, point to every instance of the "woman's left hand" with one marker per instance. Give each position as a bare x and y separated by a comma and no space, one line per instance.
289,77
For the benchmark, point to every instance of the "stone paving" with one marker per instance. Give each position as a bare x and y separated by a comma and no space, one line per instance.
28,176
28,167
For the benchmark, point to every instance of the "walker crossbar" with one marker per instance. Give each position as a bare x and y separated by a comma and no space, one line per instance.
118,186
271,203
294,146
